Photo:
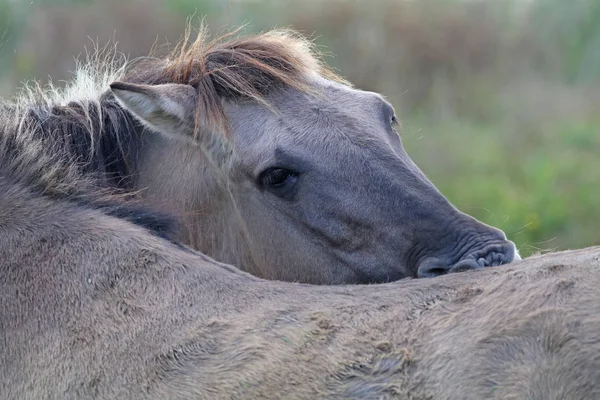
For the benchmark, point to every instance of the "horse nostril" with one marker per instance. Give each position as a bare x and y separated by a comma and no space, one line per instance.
432,267
466,265
431,272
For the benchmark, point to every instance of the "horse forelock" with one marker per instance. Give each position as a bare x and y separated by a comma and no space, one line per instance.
226,68
234,68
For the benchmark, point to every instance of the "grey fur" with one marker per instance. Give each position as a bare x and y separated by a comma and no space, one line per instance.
94,307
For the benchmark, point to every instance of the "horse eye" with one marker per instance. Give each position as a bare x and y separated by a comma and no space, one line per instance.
277,179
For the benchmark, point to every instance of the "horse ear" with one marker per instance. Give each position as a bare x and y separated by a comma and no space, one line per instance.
168,109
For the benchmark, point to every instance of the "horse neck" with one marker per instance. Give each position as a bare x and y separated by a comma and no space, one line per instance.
178,178
222,235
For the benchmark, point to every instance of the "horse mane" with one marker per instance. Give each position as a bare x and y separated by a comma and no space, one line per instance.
77,143
64,141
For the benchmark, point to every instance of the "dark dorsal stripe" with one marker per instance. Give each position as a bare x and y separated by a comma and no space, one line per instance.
159,223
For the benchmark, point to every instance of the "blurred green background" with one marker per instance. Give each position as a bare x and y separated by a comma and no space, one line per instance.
500,100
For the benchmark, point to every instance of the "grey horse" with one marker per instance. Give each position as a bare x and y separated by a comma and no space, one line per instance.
95,304
269,160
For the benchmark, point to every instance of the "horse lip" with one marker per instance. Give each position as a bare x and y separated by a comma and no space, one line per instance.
516,255
489,256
